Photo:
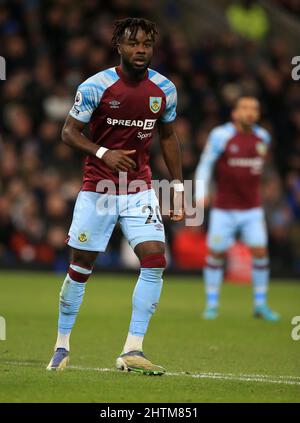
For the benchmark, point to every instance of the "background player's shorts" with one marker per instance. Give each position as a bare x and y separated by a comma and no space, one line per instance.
95,216
224,225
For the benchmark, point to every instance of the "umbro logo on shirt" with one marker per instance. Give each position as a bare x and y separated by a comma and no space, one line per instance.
114,104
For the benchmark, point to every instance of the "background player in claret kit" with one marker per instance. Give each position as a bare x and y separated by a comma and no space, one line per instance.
122,105
237,150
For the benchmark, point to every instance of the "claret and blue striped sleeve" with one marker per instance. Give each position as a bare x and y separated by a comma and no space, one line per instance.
170,92
90,92
263,134
215,145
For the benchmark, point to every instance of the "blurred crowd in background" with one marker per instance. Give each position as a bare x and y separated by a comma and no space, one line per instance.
50,47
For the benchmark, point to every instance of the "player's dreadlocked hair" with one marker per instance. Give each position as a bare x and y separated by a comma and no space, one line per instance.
133,24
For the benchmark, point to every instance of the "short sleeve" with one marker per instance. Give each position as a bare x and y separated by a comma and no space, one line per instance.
217,139
263,134
215,145
87,99
169,113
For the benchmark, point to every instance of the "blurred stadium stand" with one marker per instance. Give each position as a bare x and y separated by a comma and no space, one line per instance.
52,46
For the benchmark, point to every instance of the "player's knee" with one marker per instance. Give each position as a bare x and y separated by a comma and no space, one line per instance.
153,261
84,259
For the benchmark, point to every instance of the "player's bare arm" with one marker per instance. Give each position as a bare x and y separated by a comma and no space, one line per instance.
172,155
116,160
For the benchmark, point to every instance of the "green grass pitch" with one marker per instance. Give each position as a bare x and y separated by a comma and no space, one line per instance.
235,358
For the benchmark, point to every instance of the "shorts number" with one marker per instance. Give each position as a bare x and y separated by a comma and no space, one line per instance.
151,213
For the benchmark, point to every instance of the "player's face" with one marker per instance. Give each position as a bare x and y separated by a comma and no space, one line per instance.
136,54
246,112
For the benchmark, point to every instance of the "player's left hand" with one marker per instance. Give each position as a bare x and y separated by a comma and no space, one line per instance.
177,212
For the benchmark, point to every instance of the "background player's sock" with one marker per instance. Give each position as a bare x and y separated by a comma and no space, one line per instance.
71,296
145,298
260,276
213,276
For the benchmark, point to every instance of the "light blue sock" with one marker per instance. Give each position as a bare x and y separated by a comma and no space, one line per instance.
260,277
145,298
213,277
71,296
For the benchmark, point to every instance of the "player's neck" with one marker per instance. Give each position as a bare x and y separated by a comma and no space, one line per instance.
132,75
243,128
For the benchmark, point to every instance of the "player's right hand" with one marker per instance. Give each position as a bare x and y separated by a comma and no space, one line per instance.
118,160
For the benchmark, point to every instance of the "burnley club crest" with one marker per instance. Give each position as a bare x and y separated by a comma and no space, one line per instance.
155,104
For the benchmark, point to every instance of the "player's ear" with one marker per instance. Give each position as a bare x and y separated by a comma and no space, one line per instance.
118,48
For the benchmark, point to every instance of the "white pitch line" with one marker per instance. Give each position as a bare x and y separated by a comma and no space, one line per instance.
253,375
279,380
